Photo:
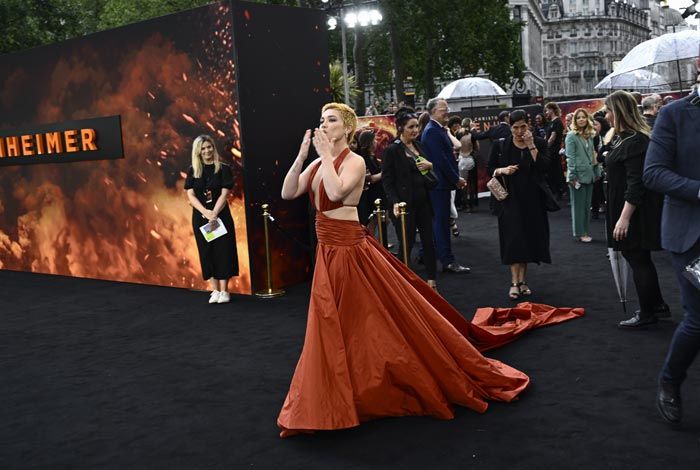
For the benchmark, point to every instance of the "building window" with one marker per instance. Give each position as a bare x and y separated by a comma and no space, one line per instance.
556,86
555,68
554,11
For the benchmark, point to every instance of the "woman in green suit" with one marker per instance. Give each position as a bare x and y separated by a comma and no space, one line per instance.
582,171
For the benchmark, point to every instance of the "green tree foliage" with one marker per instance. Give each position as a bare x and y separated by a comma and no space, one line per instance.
120,12
418,43
30,23
338,86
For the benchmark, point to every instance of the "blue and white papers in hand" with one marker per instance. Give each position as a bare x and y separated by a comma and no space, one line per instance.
213,230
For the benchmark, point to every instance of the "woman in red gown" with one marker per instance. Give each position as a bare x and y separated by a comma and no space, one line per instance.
379,341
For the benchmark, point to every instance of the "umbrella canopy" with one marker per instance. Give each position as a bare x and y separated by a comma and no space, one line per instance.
471,87
642,80
665,48
621,273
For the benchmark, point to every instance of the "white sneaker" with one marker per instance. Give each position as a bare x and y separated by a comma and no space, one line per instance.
214,297
224,297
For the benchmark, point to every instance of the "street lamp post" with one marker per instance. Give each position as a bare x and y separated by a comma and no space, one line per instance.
350,20
346,85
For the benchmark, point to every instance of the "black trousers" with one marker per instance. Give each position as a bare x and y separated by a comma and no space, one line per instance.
646,280
686,340
419,216
598,195
472,188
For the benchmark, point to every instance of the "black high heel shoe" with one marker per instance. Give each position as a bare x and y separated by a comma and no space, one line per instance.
524,292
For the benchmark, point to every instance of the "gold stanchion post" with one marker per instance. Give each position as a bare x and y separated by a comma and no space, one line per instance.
269,292
380,218
402,216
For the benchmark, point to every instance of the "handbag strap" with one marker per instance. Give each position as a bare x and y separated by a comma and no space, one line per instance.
500,142
411,152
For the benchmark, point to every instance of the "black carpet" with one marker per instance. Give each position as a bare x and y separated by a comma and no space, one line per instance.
105,375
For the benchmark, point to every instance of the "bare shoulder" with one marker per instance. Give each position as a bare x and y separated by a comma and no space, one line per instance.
353,160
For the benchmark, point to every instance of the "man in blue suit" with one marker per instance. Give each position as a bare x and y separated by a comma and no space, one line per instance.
672,167
438,147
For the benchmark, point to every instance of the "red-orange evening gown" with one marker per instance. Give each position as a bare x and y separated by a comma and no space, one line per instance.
380,342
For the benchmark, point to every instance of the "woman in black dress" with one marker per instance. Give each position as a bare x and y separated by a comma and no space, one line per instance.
403,182
521,162
634,212
207,185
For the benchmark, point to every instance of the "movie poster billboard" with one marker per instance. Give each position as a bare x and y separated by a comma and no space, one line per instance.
124,217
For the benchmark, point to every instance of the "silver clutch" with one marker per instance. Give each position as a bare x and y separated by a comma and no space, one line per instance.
692,272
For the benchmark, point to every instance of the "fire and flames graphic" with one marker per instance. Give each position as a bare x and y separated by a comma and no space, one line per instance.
384,128
126,220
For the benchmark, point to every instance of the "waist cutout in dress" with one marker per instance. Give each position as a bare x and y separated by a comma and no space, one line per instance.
339,232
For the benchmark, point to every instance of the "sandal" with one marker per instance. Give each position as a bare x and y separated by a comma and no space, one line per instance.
524,289
514,292
455,229
432,284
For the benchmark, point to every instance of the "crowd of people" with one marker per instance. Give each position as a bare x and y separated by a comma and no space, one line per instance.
431,167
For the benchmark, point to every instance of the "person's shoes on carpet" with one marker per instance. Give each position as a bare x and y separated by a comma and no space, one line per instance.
214,297
661,311
638,321
668,402
455,268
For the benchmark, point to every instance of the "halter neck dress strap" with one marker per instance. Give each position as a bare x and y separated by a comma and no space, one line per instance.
325,204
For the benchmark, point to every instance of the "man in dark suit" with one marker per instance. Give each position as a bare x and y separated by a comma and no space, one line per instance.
438,147
672,167
501,131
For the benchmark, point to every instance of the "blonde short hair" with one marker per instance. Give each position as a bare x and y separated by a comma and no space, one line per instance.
347,114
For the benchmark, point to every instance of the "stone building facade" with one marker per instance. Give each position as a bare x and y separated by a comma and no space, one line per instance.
582,40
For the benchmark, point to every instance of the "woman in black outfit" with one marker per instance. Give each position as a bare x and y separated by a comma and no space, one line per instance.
403,182
521,162
634,212
207,184
602,126
373,181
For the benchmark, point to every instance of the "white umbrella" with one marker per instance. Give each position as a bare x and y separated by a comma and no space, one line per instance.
671,47
621,272
471,87
644,80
